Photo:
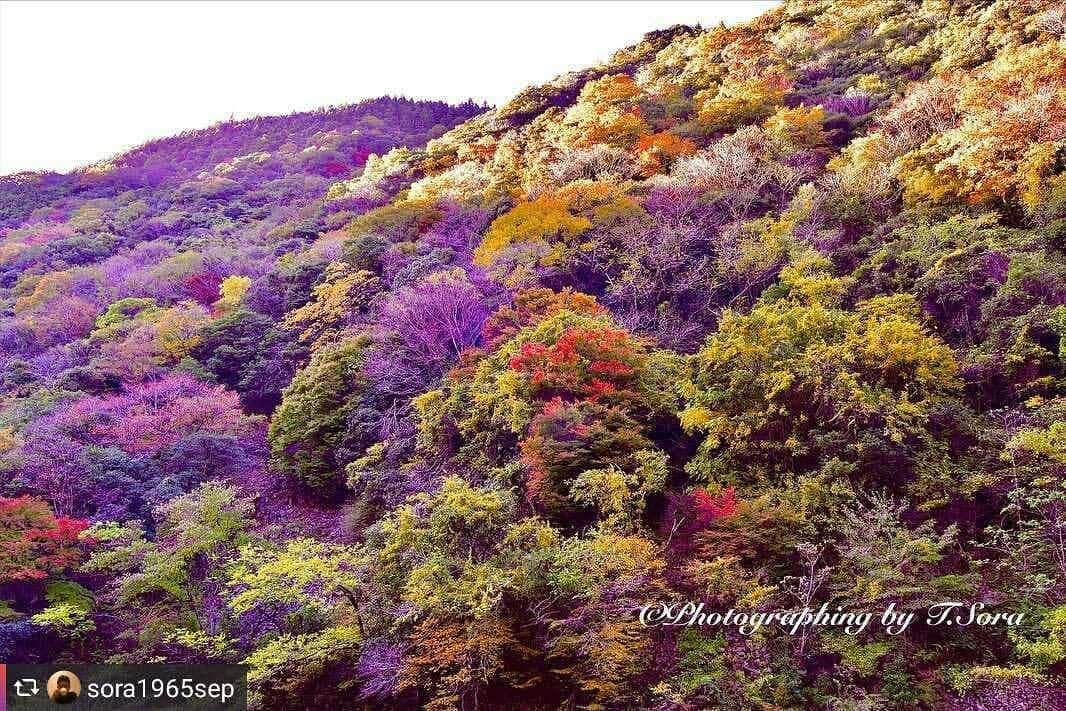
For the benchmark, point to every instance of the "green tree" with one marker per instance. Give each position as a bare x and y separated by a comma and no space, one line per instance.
305,582
309,425
802,381
172,585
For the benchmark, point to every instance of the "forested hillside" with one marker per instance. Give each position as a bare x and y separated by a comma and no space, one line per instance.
415,406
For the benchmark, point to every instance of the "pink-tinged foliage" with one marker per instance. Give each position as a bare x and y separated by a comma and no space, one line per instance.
62,321
201,287
52,465
151,416
162,426
360,155
792,235
44,232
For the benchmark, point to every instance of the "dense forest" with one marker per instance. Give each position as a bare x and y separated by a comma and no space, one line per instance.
407,405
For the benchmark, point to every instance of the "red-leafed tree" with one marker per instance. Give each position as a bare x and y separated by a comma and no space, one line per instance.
34,543
593,385
709,507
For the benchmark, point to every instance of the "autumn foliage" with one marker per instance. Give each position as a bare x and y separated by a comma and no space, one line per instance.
407,405
35,543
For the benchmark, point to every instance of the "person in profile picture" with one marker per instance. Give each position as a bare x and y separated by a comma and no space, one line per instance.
63,687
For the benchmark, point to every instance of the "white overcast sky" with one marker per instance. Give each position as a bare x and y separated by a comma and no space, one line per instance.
81,81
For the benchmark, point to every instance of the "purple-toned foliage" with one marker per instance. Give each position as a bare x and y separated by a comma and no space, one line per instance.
718,345
808,164
1012,695
428,325
683,204
380,664
180,429
849,104
814,73
459,229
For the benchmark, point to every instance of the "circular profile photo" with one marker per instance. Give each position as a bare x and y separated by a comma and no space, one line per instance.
64,687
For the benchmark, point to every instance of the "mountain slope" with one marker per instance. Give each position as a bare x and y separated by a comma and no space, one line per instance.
760,318
171,220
